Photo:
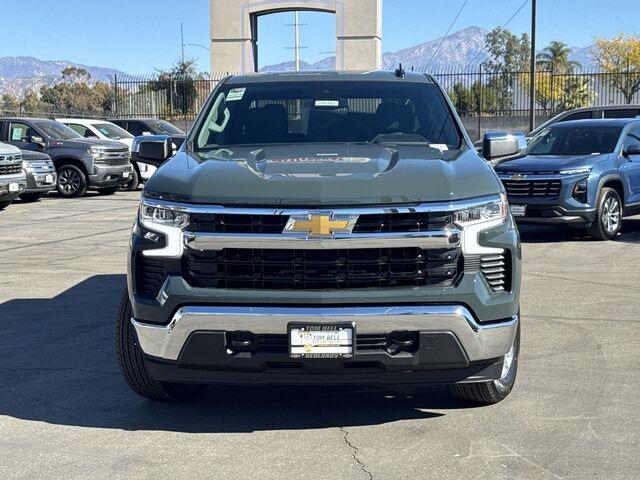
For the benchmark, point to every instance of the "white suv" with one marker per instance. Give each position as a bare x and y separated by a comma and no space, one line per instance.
91,128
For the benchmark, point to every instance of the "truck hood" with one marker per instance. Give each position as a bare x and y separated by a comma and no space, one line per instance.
32,156
315,175
549,163
88,142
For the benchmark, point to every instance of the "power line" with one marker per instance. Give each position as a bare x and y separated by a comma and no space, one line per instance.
446,34
486,43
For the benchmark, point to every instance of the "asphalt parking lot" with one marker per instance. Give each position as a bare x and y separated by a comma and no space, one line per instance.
65,412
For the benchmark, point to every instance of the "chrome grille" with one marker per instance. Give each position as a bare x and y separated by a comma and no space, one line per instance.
10,169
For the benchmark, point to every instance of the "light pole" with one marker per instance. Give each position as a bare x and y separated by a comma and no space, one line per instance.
532,82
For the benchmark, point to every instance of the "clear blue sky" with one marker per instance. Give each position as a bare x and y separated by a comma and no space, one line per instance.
137,36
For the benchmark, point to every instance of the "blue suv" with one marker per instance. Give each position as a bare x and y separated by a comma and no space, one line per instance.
583,173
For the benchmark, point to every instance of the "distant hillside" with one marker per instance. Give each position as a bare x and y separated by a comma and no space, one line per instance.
458,50
19,75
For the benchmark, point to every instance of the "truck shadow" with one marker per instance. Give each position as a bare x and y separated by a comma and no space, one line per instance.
531,233
58,365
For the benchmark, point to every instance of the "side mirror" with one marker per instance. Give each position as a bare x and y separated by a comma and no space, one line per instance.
37,140
152,149
633,149
498,147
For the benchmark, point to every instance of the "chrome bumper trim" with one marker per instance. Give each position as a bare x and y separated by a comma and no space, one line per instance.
480,341
426,240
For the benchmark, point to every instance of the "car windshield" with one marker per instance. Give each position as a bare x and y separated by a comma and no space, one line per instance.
162,127
58,131
112,131
329,112
564,140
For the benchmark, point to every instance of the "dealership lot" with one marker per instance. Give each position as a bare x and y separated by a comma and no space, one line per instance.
66,412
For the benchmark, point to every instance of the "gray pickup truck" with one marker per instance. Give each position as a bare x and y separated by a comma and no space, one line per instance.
81,163
13,181
333,228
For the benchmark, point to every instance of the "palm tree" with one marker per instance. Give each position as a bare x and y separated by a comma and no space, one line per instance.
555,57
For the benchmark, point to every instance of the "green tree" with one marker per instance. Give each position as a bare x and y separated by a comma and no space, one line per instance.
179,84
9,102
508,55
555,58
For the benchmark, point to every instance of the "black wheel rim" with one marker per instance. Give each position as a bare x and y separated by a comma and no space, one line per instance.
69,181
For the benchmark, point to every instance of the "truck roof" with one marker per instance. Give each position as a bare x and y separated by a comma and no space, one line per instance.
329,75
596,122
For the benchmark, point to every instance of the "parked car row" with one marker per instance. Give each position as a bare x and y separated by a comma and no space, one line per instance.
73,156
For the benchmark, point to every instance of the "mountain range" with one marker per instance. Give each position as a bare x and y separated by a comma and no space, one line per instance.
461,49
19,75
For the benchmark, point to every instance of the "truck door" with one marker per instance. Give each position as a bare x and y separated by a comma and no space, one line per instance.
631,165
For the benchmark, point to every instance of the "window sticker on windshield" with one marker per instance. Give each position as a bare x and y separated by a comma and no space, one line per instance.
327,103
235,94
16,134
439,146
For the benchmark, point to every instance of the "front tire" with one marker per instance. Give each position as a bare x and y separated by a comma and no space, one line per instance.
608,221
493,391
132,364
134,183
5,204
72,182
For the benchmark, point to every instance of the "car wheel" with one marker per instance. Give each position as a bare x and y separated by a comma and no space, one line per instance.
496,390
72,182
31,197
5,204
134,183
108,191
132,364
608,221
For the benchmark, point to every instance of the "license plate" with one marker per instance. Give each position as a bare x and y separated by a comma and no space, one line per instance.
13,187
125,174
518,210
320,340
48,179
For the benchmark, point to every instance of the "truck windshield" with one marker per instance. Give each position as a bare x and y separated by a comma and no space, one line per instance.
563,140
162,127
58,131
112,131
328,112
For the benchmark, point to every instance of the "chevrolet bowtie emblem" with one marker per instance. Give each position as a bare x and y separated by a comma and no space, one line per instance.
321,224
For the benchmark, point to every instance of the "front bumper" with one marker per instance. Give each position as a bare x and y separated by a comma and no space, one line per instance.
452,345
110,176
12,185
554,214
37,181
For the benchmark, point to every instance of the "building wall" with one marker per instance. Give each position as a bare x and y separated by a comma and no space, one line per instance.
358,31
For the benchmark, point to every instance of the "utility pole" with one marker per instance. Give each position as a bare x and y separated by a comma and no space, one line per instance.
532,82
182,42
296,39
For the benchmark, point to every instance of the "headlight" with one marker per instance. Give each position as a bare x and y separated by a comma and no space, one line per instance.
151,215
487,212
26,165
575,171
95,151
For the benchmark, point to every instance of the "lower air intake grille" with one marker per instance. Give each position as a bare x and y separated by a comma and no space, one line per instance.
497,271
150,273
321,269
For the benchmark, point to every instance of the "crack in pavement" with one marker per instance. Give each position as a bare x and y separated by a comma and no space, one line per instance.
345,438
354,449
